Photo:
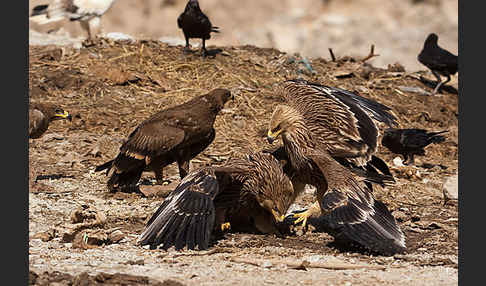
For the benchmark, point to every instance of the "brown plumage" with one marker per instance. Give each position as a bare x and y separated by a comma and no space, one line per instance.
41,115
312,134
176,134
342,122
249,190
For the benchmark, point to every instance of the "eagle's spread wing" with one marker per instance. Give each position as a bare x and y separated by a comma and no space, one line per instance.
339,119
151,139
186,217
351,211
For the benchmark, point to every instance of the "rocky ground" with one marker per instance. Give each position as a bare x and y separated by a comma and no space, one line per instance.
80,233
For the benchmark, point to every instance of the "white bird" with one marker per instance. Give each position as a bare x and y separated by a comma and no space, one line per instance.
87,12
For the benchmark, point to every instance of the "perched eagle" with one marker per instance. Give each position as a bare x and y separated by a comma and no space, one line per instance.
341,121
176,134
195,24
41,114
438,60
87,12
410,142
252,189
316,124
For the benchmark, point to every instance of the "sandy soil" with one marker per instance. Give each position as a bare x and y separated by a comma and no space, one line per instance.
397,28
80,232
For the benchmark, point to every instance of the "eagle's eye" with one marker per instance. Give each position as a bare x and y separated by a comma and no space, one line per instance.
276,128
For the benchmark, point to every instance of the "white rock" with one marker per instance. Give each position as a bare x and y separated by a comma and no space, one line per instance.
451,188
267,264
119,36
172,41
397,161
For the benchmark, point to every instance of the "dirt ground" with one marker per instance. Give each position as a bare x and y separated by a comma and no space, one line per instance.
397,28
81,234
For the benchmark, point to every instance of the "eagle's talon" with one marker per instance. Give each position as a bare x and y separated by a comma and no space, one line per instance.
225,226
301,217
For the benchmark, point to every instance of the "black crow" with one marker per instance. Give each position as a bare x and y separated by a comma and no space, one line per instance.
195,24
410,142
438,60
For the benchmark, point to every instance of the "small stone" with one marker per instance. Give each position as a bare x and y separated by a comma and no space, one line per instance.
451,188
267,264
397,161
116,236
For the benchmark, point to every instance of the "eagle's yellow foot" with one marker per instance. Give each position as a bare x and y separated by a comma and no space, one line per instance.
302,217
225,226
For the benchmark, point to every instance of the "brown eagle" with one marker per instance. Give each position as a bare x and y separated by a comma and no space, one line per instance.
252,189
41,115
317,124
176,134
343,122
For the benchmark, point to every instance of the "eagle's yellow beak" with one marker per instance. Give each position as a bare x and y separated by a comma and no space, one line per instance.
64,115
278,218
272,136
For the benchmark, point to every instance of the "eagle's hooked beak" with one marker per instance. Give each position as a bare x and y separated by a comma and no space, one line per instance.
64,115
272,136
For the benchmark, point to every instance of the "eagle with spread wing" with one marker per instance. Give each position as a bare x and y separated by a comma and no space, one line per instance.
209,198
176,134
344,123
41,115
318,124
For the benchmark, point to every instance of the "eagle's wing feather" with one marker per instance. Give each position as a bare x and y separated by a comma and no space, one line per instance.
186,216
351,211
152,138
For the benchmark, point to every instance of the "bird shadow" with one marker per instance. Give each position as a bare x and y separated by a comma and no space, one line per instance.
53,177
433,83
213,52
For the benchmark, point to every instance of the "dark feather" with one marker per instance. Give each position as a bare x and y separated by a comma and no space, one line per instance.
436,58
39,10
192,198
410,141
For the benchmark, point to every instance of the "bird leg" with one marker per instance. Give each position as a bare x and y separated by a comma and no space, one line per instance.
437,88
439,82
411,161
159,171
183,168
313,211
187,48
408,159
204,51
